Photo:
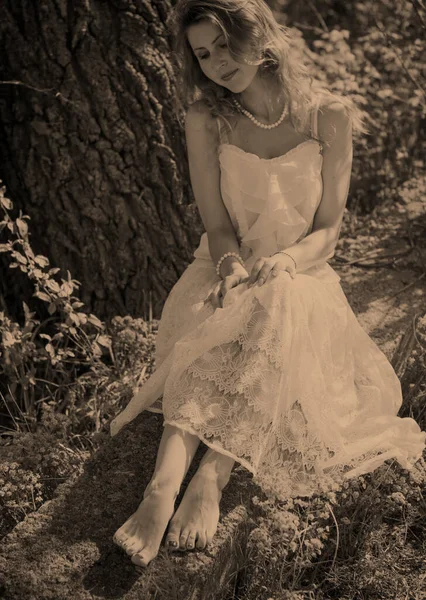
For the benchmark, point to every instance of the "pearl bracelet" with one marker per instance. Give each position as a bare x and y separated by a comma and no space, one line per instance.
220,261
282,252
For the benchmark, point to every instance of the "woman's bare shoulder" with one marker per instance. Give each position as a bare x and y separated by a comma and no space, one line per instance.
333,118
199,116
201,129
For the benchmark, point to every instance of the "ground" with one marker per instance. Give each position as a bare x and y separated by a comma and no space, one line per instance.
65,550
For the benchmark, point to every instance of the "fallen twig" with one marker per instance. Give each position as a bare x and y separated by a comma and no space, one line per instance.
374,254
407,286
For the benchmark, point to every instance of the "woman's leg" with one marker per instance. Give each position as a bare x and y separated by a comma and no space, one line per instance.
141,534
195,521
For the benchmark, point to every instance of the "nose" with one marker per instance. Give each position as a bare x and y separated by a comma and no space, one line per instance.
220,64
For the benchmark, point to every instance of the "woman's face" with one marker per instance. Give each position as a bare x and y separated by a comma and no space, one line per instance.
209,46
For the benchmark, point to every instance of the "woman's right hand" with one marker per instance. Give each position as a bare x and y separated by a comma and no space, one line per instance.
219,292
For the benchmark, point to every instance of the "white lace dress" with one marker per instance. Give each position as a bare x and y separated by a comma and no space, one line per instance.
283,378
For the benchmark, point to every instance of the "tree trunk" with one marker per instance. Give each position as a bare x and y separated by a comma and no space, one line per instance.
91,149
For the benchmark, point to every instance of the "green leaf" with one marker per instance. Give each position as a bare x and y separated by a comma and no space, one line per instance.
385,93
6,203
74,318
23,227
67,287
28,315
28,251
20,258
103,340
96,349
50,350
42,296
82,317
95,321
53,285
8,339
41,260
52,308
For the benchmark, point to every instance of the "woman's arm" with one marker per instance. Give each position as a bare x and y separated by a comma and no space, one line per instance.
202,140
334,127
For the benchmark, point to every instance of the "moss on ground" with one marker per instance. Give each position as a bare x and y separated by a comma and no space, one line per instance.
65,549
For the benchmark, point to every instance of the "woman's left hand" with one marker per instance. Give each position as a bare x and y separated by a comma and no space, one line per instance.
270,266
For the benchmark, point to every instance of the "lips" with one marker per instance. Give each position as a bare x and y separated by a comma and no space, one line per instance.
229,75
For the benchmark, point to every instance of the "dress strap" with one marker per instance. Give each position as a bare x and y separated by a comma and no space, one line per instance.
314,119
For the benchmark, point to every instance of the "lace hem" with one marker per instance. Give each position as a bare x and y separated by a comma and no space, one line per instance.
286,381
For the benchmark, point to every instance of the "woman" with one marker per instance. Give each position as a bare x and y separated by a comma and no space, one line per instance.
258,353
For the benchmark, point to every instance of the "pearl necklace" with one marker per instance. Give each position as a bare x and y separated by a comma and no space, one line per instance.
255,121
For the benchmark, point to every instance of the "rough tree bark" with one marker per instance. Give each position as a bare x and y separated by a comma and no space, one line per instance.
91,149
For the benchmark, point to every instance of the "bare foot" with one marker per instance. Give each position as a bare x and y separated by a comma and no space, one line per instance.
141,534
195,521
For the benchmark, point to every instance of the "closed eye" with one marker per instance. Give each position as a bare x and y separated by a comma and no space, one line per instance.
204,56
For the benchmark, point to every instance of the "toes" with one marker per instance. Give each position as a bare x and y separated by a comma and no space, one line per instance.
120,541
209,538
119,536
139,560
124,543
190,542
172,539
124,533
125,546
202,540
142,558
183,539
172,544
133,546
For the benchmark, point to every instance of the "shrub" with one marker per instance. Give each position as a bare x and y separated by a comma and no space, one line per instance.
41,359
32,465
375,52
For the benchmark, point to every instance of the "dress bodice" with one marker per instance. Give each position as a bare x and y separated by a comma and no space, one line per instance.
271,202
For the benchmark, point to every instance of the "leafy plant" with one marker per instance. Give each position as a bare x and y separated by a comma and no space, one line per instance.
373,51
40,360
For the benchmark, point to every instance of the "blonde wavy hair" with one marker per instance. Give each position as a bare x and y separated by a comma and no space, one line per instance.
250,29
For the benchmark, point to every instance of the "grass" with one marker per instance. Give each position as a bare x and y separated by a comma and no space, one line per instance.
365,541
